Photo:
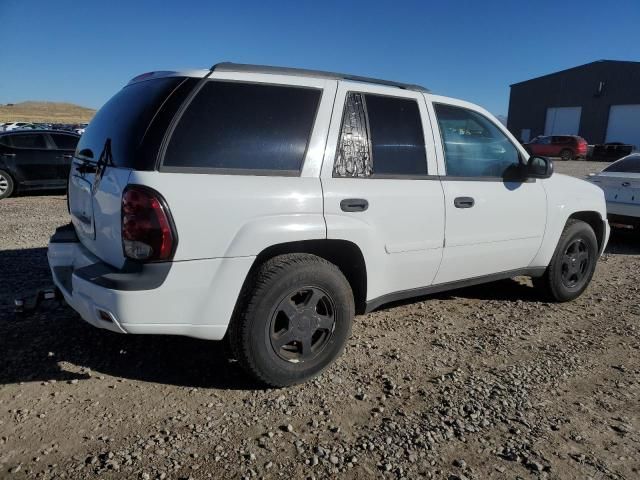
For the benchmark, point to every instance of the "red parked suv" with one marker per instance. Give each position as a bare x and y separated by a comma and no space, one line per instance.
567,147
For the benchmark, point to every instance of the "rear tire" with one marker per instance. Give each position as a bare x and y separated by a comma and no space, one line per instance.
6,184
293,319
566,154
572,265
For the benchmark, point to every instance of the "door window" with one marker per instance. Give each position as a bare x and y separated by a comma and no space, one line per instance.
473,145
29,140
65,142
380,136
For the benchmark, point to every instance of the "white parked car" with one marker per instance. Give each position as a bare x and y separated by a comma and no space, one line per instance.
16,126
621,184
269,205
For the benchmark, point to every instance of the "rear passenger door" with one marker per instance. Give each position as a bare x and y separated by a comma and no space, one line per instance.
380,184
33,158
495,218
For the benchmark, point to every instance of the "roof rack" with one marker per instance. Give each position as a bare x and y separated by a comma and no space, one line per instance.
301,72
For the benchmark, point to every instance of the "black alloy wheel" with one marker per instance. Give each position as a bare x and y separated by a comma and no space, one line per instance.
575,263
302,324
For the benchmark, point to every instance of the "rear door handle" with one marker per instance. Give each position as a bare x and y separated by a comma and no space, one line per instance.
64,157
354,205
464,202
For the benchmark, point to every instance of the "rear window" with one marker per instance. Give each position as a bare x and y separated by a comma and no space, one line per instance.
124,119
233,126
630,164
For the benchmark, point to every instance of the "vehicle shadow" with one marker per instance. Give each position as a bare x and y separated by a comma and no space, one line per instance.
623,242
37,347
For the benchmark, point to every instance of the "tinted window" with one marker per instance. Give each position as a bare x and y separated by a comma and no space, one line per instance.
28,141
380,135
630,164
65,142
232,125
124,119
473,145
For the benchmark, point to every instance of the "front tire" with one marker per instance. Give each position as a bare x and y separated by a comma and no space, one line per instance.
6,184
293,319
572,264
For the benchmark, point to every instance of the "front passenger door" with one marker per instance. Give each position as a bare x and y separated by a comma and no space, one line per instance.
495,219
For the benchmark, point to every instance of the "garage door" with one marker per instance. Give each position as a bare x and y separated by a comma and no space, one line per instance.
624,124
562,121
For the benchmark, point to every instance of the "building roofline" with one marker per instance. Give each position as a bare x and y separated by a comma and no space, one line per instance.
301,72
573,68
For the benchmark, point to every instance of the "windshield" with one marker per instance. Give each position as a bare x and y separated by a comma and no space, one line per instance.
124,120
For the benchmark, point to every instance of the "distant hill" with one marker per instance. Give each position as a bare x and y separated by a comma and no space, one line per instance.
52,112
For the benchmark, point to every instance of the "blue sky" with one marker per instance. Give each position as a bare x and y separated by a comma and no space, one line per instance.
84,51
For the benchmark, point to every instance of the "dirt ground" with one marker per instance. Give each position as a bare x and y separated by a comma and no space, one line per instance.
484,382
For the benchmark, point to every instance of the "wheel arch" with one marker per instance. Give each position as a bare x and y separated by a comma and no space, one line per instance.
595,221
346,255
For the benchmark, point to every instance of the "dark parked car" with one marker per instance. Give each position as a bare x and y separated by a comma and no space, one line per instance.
567,147
35,159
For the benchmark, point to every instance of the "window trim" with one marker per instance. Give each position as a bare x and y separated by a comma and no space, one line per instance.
382,176
160,166
449,178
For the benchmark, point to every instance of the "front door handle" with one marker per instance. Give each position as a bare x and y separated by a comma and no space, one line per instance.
464,202
8,155
354,205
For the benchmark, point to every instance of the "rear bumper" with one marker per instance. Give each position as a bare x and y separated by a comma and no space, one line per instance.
193,298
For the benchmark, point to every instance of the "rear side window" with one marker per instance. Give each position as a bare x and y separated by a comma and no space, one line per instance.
630,164
234,126
29,140
124,119
380,135
65,142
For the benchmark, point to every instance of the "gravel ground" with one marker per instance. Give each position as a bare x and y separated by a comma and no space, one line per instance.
484,382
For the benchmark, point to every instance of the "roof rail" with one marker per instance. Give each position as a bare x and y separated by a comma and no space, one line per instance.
301,72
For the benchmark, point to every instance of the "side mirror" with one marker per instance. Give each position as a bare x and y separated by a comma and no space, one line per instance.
539,167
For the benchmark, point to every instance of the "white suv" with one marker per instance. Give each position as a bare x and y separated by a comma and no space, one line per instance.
269,205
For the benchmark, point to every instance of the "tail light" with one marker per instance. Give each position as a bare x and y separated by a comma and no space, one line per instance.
582,145
148,232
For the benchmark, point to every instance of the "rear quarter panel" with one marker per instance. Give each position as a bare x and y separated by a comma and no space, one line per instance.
237,215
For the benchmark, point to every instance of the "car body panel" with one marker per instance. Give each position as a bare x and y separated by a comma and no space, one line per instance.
401,232
621,191
492,236
567,196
